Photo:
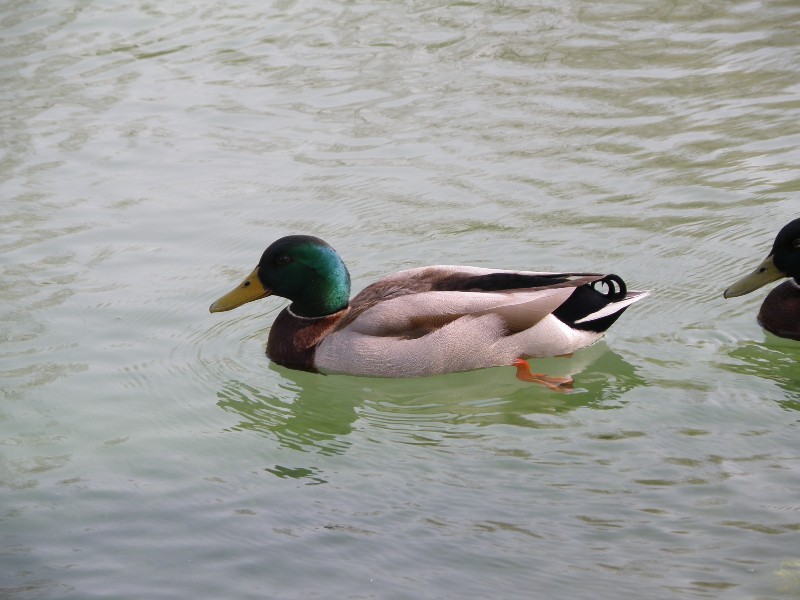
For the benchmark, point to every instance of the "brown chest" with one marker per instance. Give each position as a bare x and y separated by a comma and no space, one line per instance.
780,313
293,340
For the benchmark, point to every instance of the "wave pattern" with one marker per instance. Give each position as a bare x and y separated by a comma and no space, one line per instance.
151,151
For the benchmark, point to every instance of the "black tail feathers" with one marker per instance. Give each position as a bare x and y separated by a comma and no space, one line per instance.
615,287
588,299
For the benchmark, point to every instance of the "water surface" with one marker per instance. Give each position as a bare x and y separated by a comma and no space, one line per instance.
152,151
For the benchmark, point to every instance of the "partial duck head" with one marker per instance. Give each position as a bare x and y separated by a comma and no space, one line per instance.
783,261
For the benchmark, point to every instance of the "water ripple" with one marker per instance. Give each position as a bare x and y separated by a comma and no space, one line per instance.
151,152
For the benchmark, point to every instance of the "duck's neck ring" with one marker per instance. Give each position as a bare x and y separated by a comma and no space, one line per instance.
305,318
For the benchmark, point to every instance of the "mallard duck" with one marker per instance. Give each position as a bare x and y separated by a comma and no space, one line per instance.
780,312
424,321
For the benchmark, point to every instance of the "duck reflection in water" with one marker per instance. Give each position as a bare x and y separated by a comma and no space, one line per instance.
317,414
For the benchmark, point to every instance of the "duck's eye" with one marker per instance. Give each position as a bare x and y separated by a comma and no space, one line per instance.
282,259
796,243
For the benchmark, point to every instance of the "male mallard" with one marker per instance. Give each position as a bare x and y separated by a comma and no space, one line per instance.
780,312
424,321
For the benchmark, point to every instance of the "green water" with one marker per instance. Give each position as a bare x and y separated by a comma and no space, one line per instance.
151,151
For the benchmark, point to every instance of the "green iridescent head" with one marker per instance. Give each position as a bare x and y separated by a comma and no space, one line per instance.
301,268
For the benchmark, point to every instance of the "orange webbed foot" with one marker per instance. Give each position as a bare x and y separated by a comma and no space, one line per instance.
558,384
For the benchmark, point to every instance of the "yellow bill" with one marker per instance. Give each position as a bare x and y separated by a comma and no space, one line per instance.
764,273
247,291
